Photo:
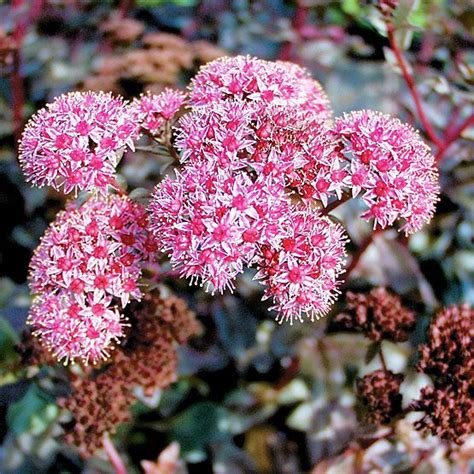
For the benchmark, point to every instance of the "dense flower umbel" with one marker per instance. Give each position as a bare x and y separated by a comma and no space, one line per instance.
260,82
379,315
449,352
448,411
75,142
391,166
88,261
379,391
212,222
300,272
153,111
448,357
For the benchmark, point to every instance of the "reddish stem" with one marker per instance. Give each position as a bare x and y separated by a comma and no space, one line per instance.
124,7
382,358
360,251
18,95
22,23
333,205
411,86
113,455
452,135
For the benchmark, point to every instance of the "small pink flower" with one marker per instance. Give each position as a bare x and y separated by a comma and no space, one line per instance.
300,272
391,167
211,222
279,140
154,110
76,328
75,142
261,82
89,255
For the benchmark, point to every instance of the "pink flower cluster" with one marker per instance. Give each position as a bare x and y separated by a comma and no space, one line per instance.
260,158
257,141
86,266
285,141
76,142
300,272
256,129
391,167
212,222
154,110
260,82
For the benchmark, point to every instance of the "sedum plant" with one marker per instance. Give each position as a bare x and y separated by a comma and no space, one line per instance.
260,164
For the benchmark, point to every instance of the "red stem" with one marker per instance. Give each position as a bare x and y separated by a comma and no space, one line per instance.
382,358
360,251
18,95
297,22
411,86
113,455
452,135
124,7
22,23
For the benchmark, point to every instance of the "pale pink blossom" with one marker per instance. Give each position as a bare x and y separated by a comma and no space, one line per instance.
76,328
75,142
391,167
212,222
93,255
281,140
261,82
154,110
300,273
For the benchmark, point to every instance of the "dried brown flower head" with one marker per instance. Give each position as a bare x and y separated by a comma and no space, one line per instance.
379,315
97,406
157,61
449,412
148,359
449,353
122,30
379,391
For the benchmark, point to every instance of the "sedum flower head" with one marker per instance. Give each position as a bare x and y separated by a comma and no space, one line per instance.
448,354
379,391
88,261
211,222
75,142
391,167
379,315
259,82
448,411
279,140
154,110
76,327
300,272
258,132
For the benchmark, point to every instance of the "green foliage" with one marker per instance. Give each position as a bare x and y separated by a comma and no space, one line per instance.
9,356
197,427
32,413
